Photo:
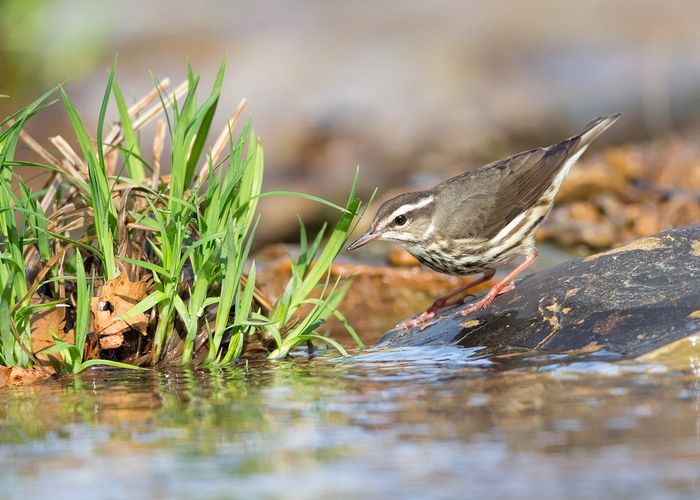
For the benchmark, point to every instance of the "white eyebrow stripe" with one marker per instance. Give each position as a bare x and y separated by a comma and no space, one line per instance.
408,207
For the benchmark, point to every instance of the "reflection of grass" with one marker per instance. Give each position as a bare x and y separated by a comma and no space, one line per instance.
182,407
178,246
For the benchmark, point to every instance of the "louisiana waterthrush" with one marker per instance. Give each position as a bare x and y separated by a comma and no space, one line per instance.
484,218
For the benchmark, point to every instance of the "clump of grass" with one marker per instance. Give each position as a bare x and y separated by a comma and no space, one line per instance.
109,218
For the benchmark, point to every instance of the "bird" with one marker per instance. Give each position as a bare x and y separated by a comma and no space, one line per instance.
480,220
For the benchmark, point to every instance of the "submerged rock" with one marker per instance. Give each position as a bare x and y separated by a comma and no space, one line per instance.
624,303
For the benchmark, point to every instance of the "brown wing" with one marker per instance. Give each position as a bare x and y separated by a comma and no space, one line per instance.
482,202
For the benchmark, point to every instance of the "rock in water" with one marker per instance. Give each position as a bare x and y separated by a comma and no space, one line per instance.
626,302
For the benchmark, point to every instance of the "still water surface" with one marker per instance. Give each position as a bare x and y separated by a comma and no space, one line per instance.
419,423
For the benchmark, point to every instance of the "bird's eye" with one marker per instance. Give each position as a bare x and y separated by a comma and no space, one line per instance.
400,220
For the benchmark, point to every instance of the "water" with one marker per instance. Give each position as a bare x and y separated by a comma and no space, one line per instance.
419,423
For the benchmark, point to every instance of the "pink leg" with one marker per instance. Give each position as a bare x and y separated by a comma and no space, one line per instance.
444,301
503,286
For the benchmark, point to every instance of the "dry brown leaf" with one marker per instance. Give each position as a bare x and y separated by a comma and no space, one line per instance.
46,324
112,341
118,296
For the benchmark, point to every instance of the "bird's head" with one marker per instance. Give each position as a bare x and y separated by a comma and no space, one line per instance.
406,219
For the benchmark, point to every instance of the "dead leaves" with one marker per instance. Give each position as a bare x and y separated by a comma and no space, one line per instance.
117,297
46,325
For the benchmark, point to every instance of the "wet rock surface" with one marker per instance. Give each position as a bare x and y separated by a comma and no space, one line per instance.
622,303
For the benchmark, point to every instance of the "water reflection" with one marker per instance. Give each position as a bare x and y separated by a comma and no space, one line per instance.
421,422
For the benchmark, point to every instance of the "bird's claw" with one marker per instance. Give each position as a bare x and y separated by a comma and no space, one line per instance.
510,286
422,319
419,320
473,308
488,298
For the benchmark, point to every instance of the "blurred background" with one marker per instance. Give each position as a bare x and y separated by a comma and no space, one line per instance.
411,91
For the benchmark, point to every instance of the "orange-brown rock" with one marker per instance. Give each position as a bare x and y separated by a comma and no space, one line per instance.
627,193
397,256
590,178
23,376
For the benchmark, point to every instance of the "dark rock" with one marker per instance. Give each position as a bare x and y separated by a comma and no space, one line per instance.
623,303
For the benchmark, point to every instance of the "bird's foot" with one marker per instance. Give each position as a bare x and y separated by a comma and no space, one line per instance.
419,320
510,286
476,306
442,302
488,298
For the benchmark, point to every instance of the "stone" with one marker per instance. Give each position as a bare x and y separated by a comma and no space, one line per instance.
620,304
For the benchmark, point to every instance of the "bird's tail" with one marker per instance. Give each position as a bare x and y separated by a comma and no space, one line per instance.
595,128
575,146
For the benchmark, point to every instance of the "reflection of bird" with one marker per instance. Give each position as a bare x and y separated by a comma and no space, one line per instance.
482,219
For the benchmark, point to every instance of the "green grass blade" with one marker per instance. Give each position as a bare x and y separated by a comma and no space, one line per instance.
10,137
108,362
305,196
102,116
343,320
246,303
154,268
144,305
133,160
82,321
207,115
37,221
100,194
6,337
330,341
181,309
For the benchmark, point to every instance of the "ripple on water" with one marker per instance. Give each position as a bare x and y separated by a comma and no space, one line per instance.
429,422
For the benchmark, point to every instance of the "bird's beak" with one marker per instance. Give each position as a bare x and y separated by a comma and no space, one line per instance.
368,237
